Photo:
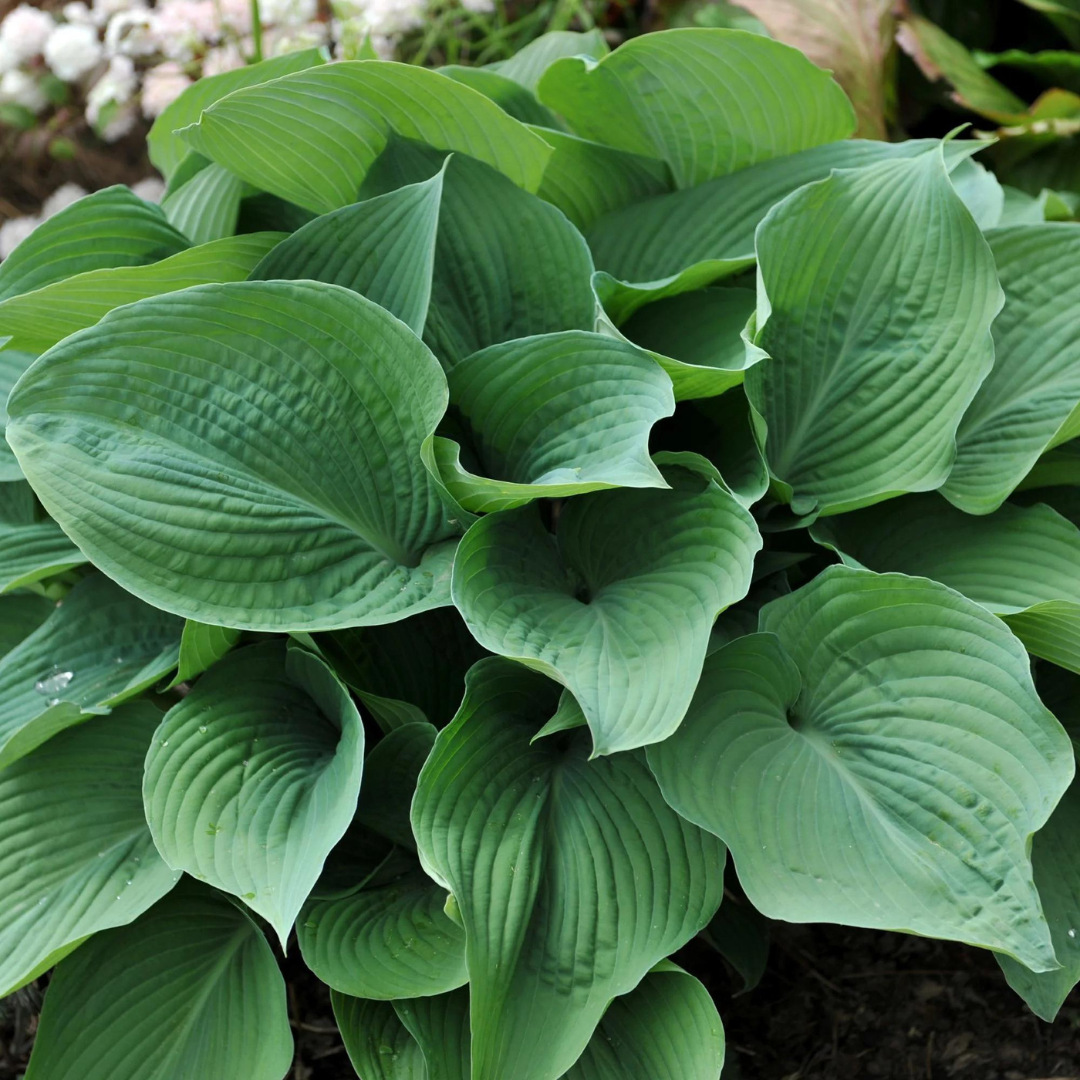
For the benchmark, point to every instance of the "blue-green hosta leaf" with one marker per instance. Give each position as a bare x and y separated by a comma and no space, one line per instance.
740,934
99,646
32,550
207,207
246,455
697,339
253,777
513,98
201,646
167,149
311,137
378,1043
528,65
12,364
75,853
618,606
707,102
1019,563
190,989
408,672
440,1026
389,938
38,320
587,180
1028,401
980,191
555,835
674,242
877,757
18,504
552,416
20,616
507,265
383,248
876,294
109,228
1057,877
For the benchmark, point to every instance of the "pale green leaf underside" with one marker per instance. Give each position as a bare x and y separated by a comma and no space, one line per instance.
554,835
877,757
1026,404
876,294
246,455
99,646
109,228
707,102
1057,877
311,137
38,320
75,853
200,647
383,248
189,990
619,606
253,777
167,148
552,416
1019,562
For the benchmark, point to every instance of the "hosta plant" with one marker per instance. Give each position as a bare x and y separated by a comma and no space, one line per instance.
484,502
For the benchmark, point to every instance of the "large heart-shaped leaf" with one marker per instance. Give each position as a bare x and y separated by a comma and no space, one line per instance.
389,938
311,136
877,756
1028,401
38,320
1018,563
618,605
99,646
77,856
246,455
507,265
529,837
167,149
190,989
253,777
383,248
552,416
109,228
707,102
671,243
878,338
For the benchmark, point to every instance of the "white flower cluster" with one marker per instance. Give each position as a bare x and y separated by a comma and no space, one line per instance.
125,56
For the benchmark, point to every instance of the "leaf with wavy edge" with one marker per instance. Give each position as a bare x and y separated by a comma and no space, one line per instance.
246,455
311,136
878,342
528,65
98,647
76,853
553,836
39,320
383,248
1020,563
707,102
378,1044
253,777
1030,401
190,989
552,416
877,756
112,227
616,607
513,98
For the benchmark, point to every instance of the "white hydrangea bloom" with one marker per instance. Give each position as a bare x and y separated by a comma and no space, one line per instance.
479,7
110,110
73,50
20,88
61,199
279,40
77,12
24,32
151,189
236,15
287,12
103,10
183,28
162,85
132,33
14,231
224,58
